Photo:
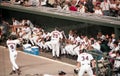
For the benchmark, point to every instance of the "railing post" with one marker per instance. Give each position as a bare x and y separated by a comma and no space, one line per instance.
96,59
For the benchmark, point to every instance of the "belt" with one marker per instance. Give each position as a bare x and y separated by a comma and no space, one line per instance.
84,64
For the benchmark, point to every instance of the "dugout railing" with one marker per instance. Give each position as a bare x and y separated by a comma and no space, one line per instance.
104,67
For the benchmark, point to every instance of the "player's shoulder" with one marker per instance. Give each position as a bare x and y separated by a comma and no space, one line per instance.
85,53
12,37
7,41
89,54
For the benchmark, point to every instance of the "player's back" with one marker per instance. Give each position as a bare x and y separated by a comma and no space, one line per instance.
55,35
12,45
85,58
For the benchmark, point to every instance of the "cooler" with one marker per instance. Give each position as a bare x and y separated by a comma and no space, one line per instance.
28,50
26,46
35,50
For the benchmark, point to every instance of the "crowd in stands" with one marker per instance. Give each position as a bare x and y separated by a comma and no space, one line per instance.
97,7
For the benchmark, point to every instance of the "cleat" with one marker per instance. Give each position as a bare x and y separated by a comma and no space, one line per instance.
54,57
18,72
13,72
61,73
75,71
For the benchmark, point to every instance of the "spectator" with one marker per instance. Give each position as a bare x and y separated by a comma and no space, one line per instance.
73,7
66,6
113,8
43,2
89,6
29,3
105,7
19,2
98,11
96,3
81,8
118,6
50,3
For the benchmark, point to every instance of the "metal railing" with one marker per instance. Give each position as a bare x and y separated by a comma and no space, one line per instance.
108,70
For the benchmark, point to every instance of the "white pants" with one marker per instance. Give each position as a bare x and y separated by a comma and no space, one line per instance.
33,40
55,47
12,60
48,44
69,49
85,68
77,50
41,44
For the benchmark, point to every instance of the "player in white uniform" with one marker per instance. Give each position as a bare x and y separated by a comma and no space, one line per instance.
28,22
56,36
11,44
15,23
84,63
34,36
26,32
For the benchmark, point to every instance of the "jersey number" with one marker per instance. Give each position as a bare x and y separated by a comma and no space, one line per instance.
55,35
85,58
12,47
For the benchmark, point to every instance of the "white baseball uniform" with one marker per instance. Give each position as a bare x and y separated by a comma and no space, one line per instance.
85,60
12,52
26,34
34,36
55,38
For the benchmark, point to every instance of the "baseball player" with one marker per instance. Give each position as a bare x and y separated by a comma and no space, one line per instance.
55,42
84,63
11,44
25,33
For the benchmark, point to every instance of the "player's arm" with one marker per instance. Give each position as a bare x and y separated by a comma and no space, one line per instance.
76,46
93,65
23,33
38,39
76,70
78,65
20,40
60,37
92,60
